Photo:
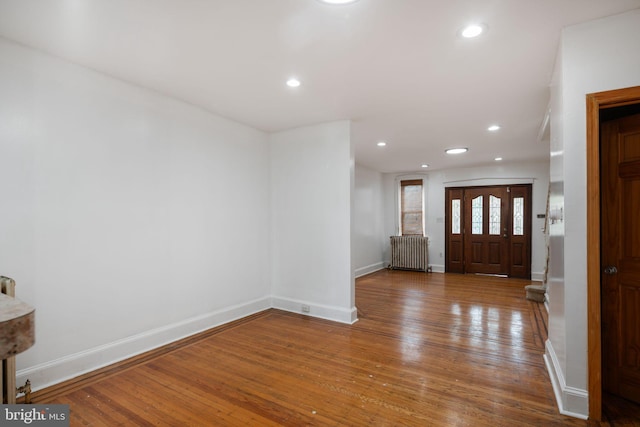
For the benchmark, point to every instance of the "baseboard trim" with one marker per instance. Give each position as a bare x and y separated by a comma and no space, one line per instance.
537,276
437,268
327,312
63,369
363,271
573,402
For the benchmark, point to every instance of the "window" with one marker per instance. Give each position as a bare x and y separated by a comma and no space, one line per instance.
411,207
476,215
455,216
518,216
495,208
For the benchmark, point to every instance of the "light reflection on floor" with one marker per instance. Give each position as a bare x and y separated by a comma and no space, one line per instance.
485,328
411,342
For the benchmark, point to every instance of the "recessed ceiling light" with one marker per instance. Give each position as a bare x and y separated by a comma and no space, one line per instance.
425,165
497,159
493,128
338,1
456,150
472,31
381,144
293,82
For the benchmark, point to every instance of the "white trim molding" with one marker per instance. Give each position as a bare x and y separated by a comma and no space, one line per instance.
368,269
71,366
537,276
437,268
327,312
68,367
488,181
572,401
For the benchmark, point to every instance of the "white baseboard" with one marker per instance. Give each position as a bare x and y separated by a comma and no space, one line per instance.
437,268
572,401
369,269
68,367
336,314
537,276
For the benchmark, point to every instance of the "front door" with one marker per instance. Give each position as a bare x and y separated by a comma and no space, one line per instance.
486,211
488,230
620,256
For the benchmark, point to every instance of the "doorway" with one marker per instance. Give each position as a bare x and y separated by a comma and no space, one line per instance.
607,270
620,254
488,230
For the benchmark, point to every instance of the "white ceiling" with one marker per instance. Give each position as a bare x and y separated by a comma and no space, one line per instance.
396,68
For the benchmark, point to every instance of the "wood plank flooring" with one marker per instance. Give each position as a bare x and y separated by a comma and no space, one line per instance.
428,350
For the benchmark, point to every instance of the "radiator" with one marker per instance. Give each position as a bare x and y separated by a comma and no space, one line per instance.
410,253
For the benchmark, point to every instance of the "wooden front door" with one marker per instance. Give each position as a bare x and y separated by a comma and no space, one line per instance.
488,230
620,256
486,211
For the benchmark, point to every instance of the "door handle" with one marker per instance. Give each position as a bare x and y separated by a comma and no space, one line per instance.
610,270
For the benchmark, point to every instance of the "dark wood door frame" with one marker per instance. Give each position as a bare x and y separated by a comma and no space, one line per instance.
595,103
518,250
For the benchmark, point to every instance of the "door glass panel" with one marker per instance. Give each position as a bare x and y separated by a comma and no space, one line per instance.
495,207
476,215
518,216
455,216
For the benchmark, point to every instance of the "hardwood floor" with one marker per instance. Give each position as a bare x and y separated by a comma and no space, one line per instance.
428,350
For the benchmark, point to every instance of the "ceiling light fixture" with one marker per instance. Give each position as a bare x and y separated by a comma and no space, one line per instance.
293,82
381,144
497,159
338,1
474,30
456,150
425,165
493,128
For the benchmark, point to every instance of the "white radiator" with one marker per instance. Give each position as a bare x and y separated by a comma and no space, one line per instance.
410,253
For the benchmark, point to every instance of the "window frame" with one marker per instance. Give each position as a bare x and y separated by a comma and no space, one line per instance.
411,180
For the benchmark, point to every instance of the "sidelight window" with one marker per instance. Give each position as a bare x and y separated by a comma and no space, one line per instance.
518,216
455,216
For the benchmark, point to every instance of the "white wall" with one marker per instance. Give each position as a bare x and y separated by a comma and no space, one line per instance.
596,56
311,180
127,219
367,227
391,215
536,173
